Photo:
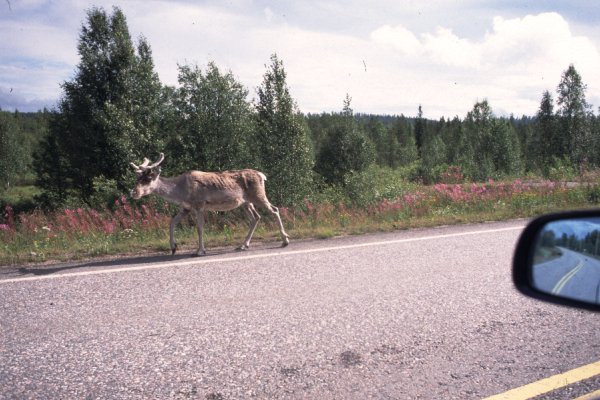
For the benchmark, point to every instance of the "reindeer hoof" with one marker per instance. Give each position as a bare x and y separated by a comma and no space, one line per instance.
174,249
243,248
199,254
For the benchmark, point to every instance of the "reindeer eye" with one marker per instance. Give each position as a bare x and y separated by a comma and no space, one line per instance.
146,177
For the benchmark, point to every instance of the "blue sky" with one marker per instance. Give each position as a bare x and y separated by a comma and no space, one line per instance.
389,56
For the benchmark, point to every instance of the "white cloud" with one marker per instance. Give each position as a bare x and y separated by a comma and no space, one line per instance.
511,65
386,67
269,15
444,47
399,38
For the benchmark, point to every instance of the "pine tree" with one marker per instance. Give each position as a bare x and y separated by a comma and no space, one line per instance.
574,116
506,148
282,139
544,142
109,113
433,155
407,151
13,153
420,130
459,149
384,142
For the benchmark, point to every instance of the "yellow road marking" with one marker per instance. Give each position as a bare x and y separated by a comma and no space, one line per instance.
561,284
549,384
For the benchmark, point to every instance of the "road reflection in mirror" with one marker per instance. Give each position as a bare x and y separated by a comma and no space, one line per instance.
567,259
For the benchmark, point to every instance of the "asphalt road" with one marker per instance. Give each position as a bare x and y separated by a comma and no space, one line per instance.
420,314
573,275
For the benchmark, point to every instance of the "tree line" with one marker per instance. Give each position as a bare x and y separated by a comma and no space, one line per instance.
590,243
115,110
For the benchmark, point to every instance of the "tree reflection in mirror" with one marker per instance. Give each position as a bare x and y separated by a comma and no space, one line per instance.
567,259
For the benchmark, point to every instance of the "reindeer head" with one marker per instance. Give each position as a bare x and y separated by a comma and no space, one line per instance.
147,177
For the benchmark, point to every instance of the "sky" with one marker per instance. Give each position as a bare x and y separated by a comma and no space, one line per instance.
389,56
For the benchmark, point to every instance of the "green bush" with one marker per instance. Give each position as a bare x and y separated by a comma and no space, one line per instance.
562,170
593,194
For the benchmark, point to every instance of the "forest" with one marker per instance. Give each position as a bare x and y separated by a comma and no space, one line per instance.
115,110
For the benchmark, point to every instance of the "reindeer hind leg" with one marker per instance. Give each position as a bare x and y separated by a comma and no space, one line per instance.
275,211
254,218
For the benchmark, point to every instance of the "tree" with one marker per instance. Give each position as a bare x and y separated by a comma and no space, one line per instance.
433,154
407,151
282,139
13,154
215,121
478,128
496,145
384,142
506,148
595,127
420,130
346,149
544,142
574,115
459,149
109,114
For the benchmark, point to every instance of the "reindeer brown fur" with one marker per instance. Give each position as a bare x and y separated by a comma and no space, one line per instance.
207,191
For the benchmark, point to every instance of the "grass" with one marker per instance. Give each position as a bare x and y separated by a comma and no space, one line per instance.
131,228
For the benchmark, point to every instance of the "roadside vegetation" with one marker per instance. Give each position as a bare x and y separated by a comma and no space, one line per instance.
129,228
64,172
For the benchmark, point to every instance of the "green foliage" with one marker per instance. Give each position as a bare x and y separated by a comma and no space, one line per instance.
14,156
109,115
494,144
506,150
375,184
406,151
459,147
105,193
544,141
478,127
282,143
574,111
562,169
115,110
593,194
346,149
420,130
376,199
214,121
433,154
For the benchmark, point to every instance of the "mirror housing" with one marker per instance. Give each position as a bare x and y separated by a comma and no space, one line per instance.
557,259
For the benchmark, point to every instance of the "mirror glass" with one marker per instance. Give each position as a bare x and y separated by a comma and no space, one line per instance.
566,260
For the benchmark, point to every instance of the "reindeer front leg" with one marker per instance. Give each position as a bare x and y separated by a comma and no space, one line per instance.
200,223
176,219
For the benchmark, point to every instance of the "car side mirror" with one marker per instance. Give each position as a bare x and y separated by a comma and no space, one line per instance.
557,259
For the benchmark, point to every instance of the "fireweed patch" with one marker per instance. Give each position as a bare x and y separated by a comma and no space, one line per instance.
80,232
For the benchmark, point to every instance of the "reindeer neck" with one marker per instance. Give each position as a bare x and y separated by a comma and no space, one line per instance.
167,188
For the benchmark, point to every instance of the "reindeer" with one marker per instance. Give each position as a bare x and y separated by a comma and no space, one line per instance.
207,191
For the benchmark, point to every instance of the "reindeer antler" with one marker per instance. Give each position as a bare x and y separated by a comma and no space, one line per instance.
145,166
156,164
